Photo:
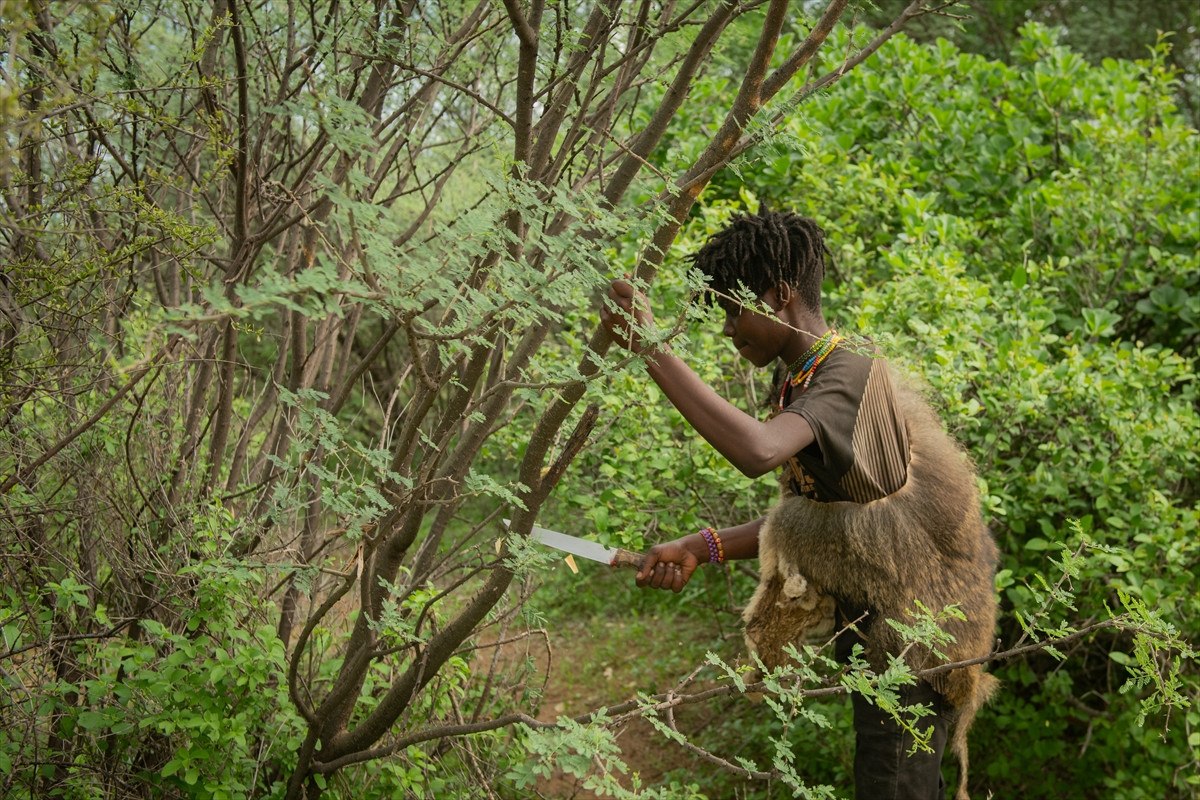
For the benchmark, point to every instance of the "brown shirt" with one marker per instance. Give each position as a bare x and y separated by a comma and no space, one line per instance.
861,448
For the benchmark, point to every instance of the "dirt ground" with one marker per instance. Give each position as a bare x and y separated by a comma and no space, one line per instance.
589,671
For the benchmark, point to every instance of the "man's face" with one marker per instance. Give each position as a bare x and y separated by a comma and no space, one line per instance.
756,334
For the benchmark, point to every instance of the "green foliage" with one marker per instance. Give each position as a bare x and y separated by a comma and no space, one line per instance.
1073,400
1124,29
589,754
191,709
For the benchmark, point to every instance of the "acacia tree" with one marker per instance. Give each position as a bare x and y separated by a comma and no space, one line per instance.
276,275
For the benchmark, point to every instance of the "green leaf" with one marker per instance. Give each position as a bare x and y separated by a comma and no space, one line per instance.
1120,658
93,720
1019,277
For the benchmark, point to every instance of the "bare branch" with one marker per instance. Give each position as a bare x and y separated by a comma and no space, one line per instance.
25,473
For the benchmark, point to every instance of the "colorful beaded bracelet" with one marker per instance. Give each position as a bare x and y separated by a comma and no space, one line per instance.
716,551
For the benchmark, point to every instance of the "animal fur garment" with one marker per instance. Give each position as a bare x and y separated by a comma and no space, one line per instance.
925,542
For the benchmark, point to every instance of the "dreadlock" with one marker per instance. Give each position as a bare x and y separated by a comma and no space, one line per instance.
761,251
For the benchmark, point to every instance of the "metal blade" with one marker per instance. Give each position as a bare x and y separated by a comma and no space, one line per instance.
583,548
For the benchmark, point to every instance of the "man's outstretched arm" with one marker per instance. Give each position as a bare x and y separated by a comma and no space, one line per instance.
754,447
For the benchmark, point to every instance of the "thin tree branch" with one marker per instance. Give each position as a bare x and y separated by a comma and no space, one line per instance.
23,474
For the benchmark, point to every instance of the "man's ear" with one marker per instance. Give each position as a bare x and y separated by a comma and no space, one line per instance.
784,295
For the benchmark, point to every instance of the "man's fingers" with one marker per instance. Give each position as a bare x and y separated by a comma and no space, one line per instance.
618,289
622,302
647,568
661,571
667,575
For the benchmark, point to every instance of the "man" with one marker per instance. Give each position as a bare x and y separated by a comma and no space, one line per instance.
879,507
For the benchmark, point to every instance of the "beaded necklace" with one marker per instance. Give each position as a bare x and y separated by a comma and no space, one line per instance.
801,372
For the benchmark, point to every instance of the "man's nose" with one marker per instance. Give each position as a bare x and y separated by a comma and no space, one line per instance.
729,329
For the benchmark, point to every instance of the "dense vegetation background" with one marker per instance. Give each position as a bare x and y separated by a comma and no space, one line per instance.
298,302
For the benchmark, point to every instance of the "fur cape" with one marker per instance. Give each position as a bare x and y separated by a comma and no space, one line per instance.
924,543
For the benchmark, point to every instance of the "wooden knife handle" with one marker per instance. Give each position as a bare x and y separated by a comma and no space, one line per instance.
627,558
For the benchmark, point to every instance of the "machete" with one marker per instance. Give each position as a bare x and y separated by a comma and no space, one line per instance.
584,548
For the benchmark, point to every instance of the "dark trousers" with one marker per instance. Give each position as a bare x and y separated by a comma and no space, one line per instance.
883,769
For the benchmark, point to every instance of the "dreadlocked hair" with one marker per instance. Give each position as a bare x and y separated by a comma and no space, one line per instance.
761,251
